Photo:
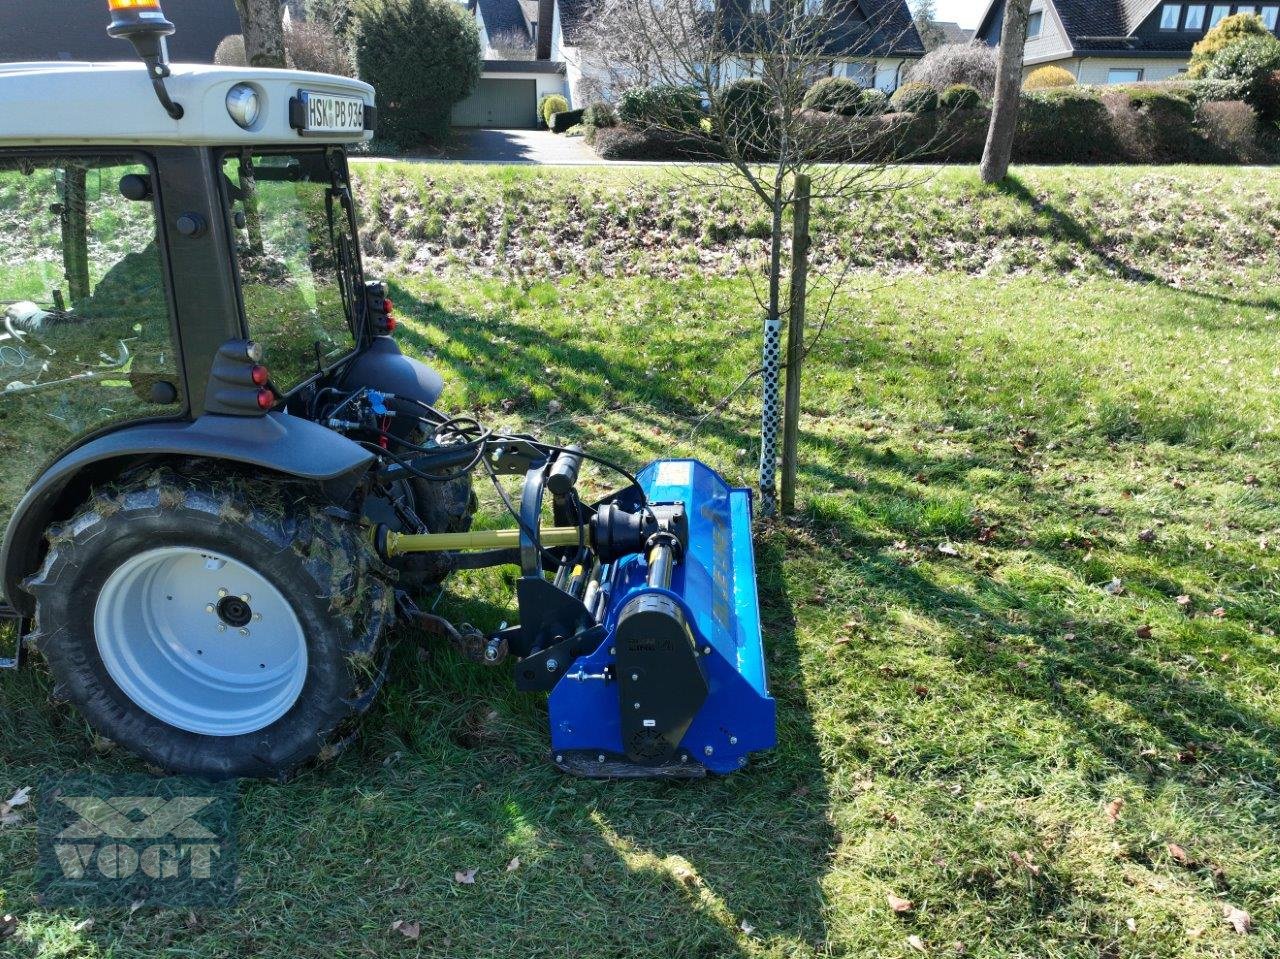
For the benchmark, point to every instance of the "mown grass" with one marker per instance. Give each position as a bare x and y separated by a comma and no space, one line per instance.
955,723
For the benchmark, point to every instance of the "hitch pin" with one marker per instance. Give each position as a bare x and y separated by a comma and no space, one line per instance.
582,676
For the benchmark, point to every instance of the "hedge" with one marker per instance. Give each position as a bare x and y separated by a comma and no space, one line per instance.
1066,125
565,119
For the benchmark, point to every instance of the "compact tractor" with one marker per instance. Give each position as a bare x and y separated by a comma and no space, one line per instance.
226,481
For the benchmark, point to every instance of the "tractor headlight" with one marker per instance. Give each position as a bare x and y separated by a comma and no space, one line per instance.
244,105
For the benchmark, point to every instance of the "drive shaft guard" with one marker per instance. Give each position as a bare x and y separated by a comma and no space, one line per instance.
713,587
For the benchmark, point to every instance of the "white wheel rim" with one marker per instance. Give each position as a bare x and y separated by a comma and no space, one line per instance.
171,628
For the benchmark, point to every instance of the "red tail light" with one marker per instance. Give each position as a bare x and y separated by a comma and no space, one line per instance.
261,375
266,399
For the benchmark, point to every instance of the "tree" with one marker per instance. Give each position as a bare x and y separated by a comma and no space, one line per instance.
1004,109
262,24
931,35
729,80
1228,31
312,45
423,56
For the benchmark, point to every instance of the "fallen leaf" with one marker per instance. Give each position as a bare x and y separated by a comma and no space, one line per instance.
1240,920
1195,933
746,927
84,925
685,875
1147,536
1252,480
1132,924
1024,862
1144,631
1184,603
136,905
898,904
411,929
7,815
8,925
1220,613
1115,587
514,864
1113,809
465,877
916,943
946,549
1178,854
921,691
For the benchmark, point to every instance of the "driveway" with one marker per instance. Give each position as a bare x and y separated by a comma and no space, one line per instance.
514,146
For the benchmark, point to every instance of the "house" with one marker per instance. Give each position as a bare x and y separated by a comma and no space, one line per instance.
77,30
952,32
535,47
1118,41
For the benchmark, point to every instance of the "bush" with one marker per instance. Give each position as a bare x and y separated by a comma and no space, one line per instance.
668,107
1231,129
1228,31
1065,126
748,107
1048,78
973,64
599,115
914,98
872,103
549,106
834,95
1250,63
627,143
959,96
313,46
231,52
562,121
423,56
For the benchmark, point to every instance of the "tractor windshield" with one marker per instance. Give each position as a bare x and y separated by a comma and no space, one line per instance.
296,249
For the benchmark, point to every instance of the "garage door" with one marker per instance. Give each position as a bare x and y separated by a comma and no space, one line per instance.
503,104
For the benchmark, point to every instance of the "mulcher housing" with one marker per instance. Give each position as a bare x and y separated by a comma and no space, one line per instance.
224,385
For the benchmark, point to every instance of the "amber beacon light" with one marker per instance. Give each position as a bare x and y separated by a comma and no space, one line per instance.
143,23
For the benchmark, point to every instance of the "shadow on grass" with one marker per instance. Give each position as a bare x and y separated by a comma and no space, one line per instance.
1077,233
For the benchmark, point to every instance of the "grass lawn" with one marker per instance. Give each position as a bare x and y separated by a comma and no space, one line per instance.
1022,636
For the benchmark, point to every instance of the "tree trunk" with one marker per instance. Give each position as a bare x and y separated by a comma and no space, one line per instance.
795,342
1004,111
262,24
772,366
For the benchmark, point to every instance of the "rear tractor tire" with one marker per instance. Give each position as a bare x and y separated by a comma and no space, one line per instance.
217,628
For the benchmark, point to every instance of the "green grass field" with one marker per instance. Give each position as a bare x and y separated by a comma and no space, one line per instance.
1022,633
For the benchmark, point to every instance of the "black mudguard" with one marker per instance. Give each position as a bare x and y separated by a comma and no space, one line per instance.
277,442
384,368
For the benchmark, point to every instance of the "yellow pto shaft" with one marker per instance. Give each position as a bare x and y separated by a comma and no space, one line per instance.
398,544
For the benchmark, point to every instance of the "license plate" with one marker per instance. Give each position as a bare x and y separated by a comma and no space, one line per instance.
327,113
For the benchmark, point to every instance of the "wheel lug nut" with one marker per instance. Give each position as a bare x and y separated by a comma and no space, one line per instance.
243,631
222,594
222,627
256,617
209,608
246,598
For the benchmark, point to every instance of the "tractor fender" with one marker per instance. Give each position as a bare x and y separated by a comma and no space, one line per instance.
276,442
384,368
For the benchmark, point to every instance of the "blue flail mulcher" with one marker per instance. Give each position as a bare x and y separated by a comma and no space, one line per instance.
639,615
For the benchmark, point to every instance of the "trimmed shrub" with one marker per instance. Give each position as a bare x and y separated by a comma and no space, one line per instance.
231,52
748,108
973,64
1065,126
914,98
1048,78
1231,129
834,95
668,107
1228,31
1250,63
562,121
549,105
311,45
627,143
1154,126
872,103
959,96
423,56
599,115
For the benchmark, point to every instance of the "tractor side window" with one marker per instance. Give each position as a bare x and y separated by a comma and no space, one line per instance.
85,340
290,231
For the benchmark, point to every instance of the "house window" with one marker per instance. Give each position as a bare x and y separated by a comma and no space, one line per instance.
1170,14
1253,10
1219,14
862,73
1269,17
1195,19
760,7
1115,75
1034,23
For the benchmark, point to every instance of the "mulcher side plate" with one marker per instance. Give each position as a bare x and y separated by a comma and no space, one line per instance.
715,584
